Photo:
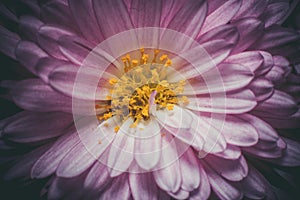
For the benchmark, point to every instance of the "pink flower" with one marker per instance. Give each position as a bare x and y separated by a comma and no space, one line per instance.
157,99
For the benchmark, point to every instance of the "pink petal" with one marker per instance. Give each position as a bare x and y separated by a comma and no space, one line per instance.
244,134
278,105
21,169
232,170
97,177
174,118
57,13
191,14
145,13
66,77
251,8
210,84
258,62
34,127
8,42
147,145
290,155
230,153
168,178
190,175
254,185
235,103
143,186
214,141
74,48
221,187
226,32
121,153
276,37
46,65
49,161
206,56
250,29
29,26
262,88
180,194
118,189
264,130
84,154
221,15
203,191
48,37
35,95
117,22
275,13
85,18
29,54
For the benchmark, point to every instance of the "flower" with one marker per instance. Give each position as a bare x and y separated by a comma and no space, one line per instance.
151,99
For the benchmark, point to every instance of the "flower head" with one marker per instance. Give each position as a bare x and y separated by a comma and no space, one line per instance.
152,99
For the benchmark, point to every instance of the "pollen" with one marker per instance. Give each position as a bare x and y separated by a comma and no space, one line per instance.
143,87
117,128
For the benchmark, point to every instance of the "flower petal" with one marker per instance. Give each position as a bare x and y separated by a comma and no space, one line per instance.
34,127
232,170
189,18
279,104
221,187
49,161
145,13
117,13
8,42
28,54
168,178
48,37
290,155
118,189
121,153
143,186
262,88
190,175
221,15
203,191
259,62
250,29
21,169
147,145
84,16
251,8
232,103
97,177
34,95
275,13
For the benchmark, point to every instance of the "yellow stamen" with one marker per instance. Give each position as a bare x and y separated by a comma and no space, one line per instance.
113,81
117,128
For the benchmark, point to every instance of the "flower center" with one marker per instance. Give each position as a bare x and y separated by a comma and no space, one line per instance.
143,87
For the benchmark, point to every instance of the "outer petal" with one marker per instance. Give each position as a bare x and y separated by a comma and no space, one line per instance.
37,126
203,191
189,18
84,16
233,170
222,188
143,186
232,103
190,174
117,13
8,42
49,161
222,15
